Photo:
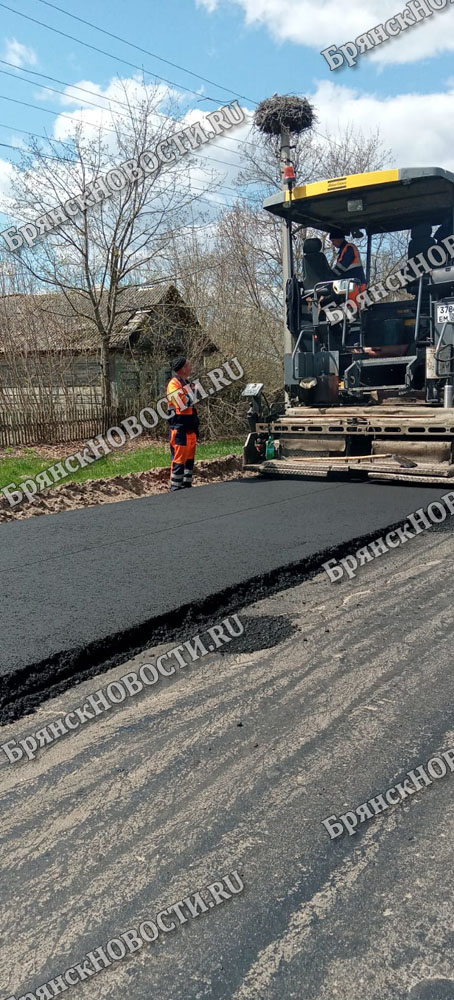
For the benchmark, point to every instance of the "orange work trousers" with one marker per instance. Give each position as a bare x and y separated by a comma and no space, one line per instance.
182,448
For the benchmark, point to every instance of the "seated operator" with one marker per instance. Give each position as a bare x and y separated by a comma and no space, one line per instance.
348,263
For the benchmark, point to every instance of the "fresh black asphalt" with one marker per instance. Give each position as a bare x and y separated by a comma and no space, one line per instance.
232,764
85,578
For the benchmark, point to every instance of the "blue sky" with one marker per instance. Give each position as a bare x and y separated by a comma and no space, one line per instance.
218,44
255,47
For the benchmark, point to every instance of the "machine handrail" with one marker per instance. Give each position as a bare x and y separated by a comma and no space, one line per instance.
418,308
440,347
313,291
355,281
295,353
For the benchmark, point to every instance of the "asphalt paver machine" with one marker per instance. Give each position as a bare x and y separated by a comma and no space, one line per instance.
370,394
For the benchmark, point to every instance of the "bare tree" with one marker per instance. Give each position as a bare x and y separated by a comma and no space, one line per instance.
315,157
95,259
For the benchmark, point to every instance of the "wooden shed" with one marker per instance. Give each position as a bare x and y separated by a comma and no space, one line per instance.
50,345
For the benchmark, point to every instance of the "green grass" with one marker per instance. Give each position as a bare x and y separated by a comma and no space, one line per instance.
120,463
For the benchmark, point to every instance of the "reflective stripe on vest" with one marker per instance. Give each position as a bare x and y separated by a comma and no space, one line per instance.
177,385
356,259
355,269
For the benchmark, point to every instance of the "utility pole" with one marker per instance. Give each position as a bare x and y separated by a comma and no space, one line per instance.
287,252
280,119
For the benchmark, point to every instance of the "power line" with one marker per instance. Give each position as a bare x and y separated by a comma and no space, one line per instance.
73,86
219,191
165,233
34,135
112,100
47,111
110,55
102,128
47,156
157,191
3,97
64,84
105,128
223,190
146,52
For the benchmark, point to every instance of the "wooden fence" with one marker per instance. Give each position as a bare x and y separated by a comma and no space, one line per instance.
66,421
73,422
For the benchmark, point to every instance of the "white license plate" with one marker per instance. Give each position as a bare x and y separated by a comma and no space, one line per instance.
445,313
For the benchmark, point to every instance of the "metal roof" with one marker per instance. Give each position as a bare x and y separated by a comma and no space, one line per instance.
386,200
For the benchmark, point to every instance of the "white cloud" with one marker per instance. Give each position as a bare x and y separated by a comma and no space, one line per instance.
74,95
133,90
399,119
18,54
320,23
429,38
6,171
220,156
202,175
203,172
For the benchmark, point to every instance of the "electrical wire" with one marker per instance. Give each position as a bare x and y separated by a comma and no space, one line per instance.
46,156
35,135
112,100
197,199
146,52
104,128
219,190
194,187
110,55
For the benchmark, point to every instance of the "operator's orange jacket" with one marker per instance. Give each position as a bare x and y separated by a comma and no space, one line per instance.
350,265
184,416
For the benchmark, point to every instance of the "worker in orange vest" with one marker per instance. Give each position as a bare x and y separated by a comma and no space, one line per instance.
184,426
348,263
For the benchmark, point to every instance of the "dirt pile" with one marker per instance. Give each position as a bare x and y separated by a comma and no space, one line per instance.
98,491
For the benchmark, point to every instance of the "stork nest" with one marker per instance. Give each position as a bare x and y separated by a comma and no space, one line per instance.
293,113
